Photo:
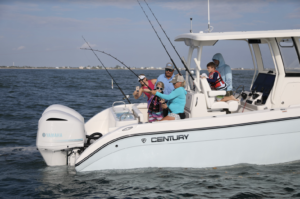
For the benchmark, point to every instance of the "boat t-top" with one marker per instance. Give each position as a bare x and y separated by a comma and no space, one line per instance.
263,127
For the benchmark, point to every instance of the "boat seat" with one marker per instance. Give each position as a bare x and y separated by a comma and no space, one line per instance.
137,113
210,97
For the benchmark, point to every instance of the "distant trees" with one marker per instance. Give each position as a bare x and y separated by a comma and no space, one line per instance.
118,67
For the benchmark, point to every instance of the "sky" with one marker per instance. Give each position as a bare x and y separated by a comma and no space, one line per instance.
49,32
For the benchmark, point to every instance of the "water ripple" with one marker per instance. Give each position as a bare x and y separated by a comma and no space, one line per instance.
25,94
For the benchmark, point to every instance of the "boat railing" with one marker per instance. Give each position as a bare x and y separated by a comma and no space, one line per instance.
113,105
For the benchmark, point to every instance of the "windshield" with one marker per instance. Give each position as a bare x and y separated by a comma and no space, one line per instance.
267,59
289,55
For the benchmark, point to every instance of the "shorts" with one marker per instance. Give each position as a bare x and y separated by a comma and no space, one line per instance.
176,116
219,97
155,116
228,93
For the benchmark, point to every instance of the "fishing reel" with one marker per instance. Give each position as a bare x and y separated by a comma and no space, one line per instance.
126,97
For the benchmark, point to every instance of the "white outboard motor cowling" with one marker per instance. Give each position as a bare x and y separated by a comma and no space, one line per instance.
60,135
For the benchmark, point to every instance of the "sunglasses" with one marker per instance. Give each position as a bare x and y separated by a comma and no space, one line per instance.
169,70
159,88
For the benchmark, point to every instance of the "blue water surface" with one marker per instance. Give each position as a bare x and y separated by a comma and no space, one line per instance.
25,94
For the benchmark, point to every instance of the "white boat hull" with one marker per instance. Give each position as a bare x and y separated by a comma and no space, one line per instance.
263,137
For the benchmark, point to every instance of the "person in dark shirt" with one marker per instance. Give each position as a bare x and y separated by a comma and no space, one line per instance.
216,82
155,109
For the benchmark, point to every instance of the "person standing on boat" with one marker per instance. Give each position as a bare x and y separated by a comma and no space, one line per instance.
225,72
166,78
176,99
144,89
155,109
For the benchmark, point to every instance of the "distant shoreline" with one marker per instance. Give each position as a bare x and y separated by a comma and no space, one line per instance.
37,68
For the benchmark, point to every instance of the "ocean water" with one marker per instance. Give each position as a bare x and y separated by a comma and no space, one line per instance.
25,94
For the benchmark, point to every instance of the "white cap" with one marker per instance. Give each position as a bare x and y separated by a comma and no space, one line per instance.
141,77
177,78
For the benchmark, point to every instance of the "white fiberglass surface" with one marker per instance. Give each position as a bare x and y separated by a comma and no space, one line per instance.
255,144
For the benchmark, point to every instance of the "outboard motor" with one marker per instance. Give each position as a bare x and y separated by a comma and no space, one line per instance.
61,135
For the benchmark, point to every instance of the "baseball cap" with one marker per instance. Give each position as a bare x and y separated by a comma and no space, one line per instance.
177,78
141,77
169,65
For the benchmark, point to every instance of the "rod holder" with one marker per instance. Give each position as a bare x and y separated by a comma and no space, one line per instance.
191,31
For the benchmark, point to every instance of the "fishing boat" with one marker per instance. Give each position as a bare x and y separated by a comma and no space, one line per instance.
263,127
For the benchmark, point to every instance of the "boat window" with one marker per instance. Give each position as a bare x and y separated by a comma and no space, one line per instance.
266,57
286,43
289,55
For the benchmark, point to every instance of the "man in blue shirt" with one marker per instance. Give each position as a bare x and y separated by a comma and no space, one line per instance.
166,78
226,74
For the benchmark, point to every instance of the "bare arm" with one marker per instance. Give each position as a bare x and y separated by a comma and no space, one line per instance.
154,81
137,94
147,91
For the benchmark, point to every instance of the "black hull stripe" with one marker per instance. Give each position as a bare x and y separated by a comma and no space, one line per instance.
183,130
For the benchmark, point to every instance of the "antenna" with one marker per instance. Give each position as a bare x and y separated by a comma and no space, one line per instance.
191,25
210,28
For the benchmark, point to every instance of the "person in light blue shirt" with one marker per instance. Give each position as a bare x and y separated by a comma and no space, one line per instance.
225,72
166,78
176,99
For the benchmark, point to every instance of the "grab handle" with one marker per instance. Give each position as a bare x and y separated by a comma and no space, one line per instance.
117,102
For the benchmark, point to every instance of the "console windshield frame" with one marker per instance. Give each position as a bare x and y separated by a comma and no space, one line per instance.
295,46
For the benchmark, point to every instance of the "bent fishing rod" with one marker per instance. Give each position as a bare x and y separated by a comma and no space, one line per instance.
120,62
186,68
106,70
160,40
124,65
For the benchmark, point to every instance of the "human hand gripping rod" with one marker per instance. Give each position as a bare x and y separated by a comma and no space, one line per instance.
186,68
160,40
120,62
106,70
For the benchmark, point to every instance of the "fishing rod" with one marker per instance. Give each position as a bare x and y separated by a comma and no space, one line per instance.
124,65
106,70
120,62
186,68
160,40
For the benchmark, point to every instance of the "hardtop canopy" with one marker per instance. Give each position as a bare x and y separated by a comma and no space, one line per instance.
212,38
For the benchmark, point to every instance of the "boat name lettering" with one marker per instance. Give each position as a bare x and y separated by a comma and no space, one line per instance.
169,138
52,135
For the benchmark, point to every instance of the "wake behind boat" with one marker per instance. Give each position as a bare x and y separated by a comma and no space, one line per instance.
263,127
